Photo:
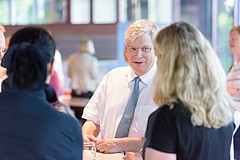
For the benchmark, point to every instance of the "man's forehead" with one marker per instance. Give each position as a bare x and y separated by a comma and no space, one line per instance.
143,38
234,33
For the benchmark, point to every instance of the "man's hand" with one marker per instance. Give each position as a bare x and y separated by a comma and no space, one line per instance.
110,145
89,138
113,145
90,131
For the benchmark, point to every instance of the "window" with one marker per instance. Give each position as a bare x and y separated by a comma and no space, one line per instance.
159,11
104,11
4,12
214,19
25,12
224,23
80,11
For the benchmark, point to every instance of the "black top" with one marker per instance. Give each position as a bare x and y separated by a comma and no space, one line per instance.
31,129
170,130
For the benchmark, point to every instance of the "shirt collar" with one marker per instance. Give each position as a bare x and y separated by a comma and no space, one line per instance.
146,78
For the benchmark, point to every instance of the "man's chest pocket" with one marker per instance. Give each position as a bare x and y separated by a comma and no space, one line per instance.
142,117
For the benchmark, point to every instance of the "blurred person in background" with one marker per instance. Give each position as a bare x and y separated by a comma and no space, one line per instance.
57,79
233,80
233,83
30,127
7,41
2,51
109,105
2,41
195,117
83,70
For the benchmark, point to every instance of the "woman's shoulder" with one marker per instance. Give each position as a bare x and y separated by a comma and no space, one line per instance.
64,117
172,110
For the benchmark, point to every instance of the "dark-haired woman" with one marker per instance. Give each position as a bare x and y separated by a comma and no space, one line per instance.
31,128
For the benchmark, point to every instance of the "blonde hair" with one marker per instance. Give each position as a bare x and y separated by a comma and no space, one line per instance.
138,29
236,28
86,46
190,71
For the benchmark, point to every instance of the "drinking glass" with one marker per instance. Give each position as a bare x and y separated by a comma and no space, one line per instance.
89,151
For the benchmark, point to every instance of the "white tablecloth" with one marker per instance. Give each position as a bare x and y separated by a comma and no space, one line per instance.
87,155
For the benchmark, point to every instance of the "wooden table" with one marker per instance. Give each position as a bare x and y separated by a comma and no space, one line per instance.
76,102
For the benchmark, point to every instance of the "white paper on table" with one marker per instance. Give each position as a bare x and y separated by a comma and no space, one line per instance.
113,156
87,155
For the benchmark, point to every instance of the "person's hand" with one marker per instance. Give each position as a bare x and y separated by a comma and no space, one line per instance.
109,145
89,138
131,156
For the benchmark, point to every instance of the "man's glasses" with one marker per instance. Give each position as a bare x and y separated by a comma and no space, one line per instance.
134,50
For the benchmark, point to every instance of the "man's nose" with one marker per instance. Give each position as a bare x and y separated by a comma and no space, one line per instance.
139,53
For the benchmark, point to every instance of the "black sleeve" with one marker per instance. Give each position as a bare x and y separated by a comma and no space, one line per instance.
161,133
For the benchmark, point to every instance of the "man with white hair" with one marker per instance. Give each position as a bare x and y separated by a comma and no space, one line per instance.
122,103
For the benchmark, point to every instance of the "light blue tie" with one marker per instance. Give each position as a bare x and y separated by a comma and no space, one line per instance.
125,123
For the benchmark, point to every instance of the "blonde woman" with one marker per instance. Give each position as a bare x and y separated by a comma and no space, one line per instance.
30,127
83,70
195,117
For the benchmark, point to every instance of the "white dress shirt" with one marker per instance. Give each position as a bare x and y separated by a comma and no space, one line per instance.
108,103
